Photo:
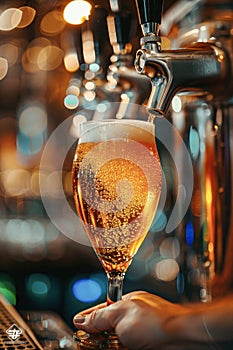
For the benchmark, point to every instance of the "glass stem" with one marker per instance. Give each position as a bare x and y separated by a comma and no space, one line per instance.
115,286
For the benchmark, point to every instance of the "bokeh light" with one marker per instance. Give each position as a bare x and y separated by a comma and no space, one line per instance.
71,101
28,15
194,142
176,104
39,287
159,222
30,57
94,67
7,288
170,248
71,61
77,11
10,52
32,124
73,89
52,23
10,18
89,95
88,47
189,233
44,289
3,67
87,290
33,119
89,75
50,57
15,182
38,284
166,270
29,145
20,231
180,283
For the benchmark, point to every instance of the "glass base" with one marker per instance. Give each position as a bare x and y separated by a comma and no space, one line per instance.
105,340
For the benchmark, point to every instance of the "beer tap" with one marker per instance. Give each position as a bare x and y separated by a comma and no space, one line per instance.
198,70
201,66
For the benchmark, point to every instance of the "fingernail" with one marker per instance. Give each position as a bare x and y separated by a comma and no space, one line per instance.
79,319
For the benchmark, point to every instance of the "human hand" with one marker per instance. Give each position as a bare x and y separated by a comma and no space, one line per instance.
141,320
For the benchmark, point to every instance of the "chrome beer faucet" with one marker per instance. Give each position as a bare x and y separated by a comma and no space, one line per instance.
203,65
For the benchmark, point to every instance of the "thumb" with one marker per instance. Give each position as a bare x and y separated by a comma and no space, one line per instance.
102,319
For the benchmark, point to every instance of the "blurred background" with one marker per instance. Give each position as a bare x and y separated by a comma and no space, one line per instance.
55,64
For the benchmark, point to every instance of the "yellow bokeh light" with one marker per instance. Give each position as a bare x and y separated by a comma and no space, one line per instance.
35,183
77,12
10,52
29,59
32,54
71,62
166,270
73,90
15,182
3,67
88,47
208,192
89,95
50,57
40,41
52,23
210,247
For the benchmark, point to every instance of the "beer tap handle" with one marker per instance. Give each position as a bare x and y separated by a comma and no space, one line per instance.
149,14
123,25
120,29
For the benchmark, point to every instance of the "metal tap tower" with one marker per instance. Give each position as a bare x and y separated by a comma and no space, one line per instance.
199,71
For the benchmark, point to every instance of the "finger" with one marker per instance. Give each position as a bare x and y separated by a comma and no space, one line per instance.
128,296
101,319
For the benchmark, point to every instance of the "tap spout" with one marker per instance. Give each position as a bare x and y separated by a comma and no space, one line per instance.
202,66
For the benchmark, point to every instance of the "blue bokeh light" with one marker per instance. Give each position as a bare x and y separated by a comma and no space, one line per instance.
159,222
86,290
71,101
180,283
189,233
29,145
194,143
38,285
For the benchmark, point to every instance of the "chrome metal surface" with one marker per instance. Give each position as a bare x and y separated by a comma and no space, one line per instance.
204,66
197,69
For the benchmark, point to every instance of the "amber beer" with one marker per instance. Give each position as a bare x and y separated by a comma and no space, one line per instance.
117,184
